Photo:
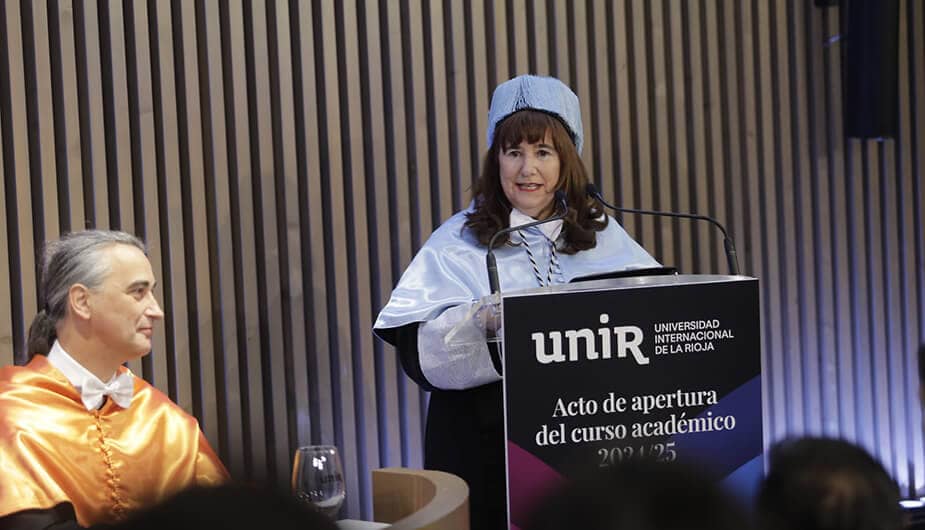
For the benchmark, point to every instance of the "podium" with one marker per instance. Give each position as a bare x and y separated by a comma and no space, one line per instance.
664,367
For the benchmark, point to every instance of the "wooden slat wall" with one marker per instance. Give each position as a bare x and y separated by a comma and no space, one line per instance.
284,160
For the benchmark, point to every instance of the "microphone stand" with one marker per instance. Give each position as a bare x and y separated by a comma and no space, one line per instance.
731,256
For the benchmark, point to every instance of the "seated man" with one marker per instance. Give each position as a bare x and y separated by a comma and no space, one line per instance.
82,439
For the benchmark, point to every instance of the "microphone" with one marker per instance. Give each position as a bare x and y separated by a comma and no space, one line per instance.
731,257
492,266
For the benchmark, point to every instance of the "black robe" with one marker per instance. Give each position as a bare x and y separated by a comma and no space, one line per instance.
464,434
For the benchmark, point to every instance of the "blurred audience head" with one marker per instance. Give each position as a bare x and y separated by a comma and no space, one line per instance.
641,495
228,507
826,484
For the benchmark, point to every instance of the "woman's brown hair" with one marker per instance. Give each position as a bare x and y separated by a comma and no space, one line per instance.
492,209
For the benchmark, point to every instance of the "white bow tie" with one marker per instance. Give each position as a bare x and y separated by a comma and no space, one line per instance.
119,390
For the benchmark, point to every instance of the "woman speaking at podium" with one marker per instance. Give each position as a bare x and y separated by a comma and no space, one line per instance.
441,316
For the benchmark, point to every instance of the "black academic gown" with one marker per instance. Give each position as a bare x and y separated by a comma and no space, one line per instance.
464,435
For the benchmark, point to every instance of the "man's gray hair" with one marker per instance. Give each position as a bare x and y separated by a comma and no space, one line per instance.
75,258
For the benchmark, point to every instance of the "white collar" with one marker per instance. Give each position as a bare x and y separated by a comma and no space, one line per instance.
551,229
75,372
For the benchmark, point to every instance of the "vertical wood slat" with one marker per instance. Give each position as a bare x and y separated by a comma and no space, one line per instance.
318,369
223,396
797,192
263,177
143,158
22,251
336,187
42,130
403,227
361,302
116,115
902,381
334,220
915,14
242,243
278,357
819,261
93,158
287,223
194,171
377,197
67,128
284,160
459,81
6,292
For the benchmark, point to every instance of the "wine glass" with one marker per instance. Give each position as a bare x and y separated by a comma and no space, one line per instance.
318,478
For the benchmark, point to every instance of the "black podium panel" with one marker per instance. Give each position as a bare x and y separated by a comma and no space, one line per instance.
665,367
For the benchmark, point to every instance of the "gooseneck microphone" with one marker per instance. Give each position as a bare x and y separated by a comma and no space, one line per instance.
731,258
490,262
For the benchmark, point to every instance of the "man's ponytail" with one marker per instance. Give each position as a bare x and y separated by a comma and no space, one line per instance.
42,334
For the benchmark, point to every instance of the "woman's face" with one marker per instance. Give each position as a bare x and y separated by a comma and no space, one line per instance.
529,176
